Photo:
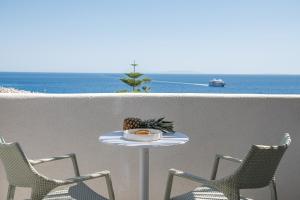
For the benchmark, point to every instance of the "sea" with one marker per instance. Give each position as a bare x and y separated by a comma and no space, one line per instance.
62,83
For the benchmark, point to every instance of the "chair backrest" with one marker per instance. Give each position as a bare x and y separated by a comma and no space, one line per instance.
260,164
19,171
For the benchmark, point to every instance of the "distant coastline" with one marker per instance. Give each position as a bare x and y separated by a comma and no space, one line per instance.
12,90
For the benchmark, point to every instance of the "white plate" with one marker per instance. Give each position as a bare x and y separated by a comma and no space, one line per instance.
154,135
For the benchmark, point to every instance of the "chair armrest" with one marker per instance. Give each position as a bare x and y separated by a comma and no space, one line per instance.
217,160
189,176
86,177
174,172
43,160
229,158
72,156
105,174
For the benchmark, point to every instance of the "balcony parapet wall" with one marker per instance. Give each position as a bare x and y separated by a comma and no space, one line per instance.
56,124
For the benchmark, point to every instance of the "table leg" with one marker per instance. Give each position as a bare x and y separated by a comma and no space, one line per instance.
144,174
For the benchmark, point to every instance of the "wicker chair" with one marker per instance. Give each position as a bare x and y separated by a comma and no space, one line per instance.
255,171
21,173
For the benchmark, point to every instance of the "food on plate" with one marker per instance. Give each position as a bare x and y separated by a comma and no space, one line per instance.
142,132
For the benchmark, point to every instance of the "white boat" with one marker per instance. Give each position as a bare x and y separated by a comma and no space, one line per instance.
216,83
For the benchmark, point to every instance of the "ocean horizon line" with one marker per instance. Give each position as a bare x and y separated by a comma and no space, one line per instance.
158,73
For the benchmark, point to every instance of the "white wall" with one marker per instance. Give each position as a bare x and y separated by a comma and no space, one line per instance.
48,125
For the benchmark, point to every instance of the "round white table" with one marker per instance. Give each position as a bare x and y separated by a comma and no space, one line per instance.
116,138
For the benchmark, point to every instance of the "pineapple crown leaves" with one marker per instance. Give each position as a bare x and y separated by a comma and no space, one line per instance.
163,121
161,124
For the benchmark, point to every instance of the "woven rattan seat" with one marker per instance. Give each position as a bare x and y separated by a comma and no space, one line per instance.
255,171
79,191
204,193
20,172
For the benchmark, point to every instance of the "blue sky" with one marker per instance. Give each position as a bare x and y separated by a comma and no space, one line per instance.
169,36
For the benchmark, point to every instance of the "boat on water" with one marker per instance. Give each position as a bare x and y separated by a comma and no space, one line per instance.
216,83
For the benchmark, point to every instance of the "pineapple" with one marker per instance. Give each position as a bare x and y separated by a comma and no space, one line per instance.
160,124
132,123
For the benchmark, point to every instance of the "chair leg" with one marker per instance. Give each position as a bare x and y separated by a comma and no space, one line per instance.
273,189
75,164
169,186
11,192
215,168
110,187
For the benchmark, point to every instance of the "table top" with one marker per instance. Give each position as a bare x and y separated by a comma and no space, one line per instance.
169,139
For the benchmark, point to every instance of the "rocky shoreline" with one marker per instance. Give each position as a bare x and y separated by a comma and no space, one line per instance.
12,90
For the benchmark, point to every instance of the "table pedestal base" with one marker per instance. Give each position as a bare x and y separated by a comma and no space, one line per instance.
144,174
